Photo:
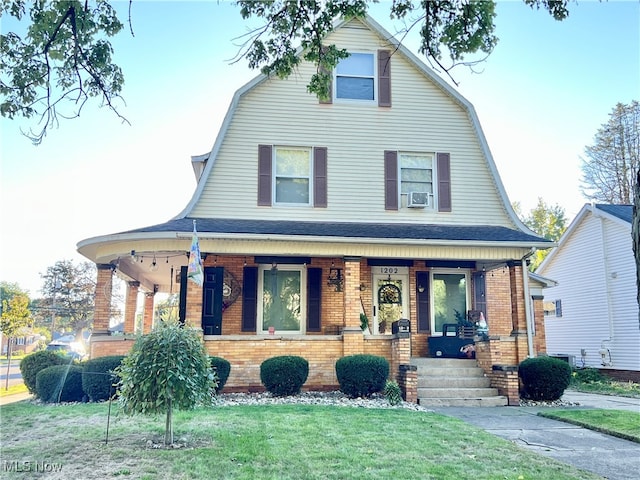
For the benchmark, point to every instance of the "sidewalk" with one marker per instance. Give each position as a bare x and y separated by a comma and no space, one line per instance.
18,397
610,457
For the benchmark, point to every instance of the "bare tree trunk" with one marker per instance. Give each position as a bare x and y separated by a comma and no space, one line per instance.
635,232
168,429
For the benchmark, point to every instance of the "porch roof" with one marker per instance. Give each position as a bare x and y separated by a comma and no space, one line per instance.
477,233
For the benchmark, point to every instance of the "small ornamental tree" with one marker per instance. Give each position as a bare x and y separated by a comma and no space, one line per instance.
166,369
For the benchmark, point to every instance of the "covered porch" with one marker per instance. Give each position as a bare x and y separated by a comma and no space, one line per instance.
275,295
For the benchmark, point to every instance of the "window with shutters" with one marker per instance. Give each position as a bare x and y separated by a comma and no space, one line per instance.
282,298
292,175
355,77
416,179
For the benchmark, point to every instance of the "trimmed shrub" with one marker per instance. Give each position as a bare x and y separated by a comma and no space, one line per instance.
98,379
32,364
285,375
60,383
362,375
221,368
589,375
544,378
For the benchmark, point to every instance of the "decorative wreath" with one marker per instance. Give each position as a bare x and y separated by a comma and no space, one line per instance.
231,289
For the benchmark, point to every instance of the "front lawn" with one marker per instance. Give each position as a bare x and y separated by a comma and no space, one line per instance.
619,423
262,442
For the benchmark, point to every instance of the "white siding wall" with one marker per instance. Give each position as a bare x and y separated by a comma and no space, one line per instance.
422,118
583,270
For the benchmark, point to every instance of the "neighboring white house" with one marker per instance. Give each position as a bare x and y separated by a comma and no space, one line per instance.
592,313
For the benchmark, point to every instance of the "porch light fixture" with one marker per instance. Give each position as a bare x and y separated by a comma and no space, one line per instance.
335,279
154,265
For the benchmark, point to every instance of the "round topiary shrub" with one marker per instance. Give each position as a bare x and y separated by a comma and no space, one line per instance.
544,378
60,383
222,368
285,375
362,375
98,379
32,364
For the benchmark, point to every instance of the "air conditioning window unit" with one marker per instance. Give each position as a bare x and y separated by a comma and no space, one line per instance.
418,199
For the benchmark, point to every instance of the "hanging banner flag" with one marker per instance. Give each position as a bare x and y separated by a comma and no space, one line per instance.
195,271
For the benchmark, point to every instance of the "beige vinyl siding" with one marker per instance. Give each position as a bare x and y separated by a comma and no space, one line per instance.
422,118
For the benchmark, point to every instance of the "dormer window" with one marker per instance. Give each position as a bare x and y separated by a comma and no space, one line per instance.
355,77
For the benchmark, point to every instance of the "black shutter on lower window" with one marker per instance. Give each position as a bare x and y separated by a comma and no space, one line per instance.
249,298
422,302
314,299
182,302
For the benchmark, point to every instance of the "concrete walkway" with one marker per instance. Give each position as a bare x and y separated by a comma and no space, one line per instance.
610,457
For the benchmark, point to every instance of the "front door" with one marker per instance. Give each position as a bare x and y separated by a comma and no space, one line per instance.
212,291
390,297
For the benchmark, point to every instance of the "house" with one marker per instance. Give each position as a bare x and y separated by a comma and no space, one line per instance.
591,316
384,200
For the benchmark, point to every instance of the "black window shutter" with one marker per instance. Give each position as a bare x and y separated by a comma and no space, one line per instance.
390,180
422,303
320,177
444,183
264,174
384,78
182,302
314,299
249,298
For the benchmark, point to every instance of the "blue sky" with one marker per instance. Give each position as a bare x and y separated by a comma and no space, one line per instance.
540,97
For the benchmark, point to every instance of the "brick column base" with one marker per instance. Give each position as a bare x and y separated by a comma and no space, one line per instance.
408,382
505,379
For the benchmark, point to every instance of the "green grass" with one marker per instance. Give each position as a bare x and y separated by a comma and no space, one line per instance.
266,442
619,423
622,389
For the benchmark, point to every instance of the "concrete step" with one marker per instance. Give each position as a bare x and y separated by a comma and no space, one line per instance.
428,381
497,401
443,362
449,371
461,392
454,382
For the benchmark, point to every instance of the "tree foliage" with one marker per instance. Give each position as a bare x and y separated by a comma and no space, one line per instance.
549,221
166,369
56,59
59,55
16,317
611,164
69,295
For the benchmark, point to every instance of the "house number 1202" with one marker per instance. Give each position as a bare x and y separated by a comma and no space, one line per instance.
389,270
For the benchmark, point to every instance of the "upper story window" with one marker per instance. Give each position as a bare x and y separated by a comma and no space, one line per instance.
356,77
292,180
416,179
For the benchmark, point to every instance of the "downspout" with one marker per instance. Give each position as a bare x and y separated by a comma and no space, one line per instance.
605,351
527,302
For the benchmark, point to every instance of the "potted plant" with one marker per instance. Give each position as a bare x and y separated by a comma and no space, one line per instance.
364,324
